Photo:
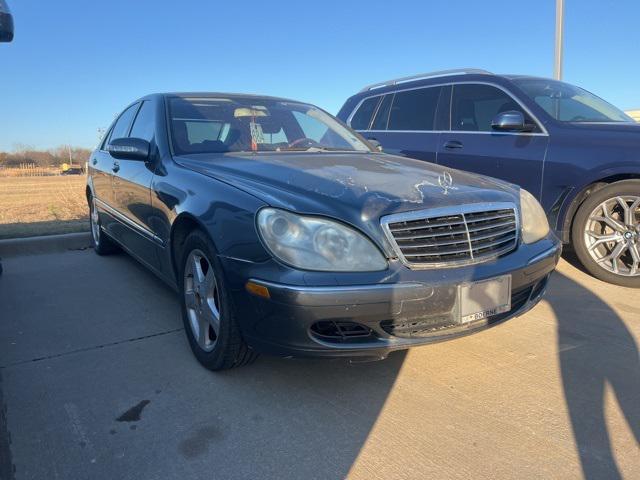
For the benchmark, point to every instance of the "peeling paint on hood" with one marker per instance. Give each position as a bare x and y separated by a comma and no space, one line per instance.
357,188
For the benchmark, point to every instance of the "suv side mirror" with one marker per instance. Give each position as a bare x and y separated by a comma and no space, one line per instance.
511,120
6,23
129,149
375,144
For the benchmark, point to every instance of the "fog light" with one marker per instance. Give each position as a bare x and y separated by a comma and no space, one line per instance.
259,290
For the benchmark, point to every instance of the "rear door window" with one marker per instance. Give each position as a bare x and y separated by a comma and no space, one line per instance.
476,105
414,109
362,118
382,115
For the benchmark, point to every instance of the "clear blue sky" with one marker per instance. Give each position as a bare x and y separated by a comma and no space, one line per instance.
74,64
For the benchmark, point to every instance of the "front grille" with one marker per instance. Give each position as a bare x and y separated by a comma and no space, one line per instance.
466,236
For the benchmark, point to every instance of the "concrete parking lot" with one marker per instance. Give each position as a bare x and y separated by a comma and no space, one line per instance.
97,382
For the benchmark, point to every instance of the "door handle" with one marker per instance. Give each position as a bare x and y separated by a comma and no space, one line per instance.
453,144
115,167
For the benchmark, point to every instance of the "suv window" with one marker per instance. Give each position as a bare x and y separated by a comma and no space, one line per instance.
414,109
144,124
475,106
382,115
362,118
121,127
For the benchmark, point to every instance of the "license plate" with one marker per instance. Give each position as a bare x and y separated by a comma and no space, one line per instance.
480,300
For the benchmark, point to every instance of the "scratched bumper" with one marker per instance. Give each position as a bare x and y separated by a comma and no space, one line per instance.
371,319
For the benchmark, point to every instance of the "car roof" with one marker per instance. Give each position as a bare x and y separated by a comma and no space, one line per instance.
215,95
437,78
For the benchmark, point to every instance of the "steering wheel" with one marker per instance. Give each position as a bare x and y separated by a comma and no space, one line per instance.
307,142
578,118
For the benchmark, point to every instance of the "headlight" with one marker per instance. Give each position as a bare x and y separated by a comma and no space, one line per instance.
534,221
313,243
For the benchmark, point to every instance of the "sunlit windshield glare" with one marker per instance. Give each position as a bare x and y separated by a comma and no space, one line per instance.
219,125
568,103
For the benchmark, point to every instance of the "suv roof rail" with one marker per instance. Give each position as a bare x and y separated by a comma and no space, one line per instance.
421,76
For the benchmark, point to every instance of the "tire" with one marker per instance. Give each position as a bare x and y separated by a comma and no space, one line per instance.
102,244
215,341
588,234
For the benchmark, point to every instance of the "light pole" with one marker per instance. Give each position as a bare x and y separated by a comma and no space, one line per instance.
557,66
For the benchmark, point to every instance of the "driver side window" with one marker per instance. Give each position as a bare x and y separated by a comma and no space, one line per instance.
122,125
475,106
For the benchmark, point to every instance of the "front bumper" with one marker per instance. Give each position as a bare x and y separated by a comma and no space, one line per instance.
324,316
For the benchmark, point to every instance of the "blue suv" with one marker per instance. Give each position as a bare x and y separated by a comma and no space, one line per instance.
579,155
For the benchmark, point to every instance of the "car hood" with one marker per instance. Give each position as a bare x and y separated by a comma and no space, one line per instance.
357,188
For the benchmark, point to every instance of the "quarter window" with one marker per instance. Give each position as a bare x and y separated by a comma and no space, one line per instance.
475,106
144,124
362,118
414,109
121,128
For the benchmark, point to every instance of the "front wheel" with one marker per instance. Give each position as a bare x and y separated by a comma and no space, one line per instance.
207,310
606,233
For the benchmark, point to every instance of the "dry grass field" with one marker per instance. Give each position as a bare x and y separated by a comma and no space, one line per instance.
42,206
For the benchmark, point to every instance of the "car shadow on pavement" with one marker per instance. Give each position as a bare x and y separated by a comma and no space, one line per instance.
596,349
131,402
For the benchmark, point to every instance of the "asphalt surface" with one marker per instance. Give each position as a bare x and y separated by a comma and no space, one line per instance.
97,382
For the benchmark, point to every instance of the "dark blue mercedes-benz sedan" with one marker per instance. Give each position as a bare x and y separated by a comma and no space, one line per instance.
287,233
577,154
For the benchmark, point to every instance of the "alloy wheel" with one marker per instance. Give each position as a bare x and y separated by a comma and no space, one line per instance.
202,300
612,235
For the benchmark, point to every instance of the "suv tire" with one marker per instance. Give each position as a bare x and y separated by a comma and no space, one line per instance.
605,239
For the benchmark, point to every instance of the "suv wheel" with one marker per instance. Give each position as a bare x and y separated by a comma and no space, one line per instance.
606,233
207,311
102,244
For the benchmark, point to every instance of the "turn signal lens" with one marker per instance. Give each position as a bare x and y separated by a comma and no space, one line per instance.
258,290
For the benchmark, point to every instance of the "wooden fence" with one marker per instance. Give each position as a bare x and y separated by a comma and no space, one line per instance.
29,170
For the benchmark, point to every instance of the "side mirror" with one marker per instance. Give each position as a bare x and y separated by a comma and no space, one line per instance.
129,149
6,23
375,144
511,120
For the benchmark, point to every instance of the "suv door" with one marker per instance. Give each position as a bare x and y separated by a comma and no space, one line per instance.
102,167
471,144
404,122
132,191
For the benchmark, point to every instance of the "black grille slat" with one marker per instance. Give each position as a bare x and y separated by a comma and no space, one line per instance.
493,242
448,241
440,251
461,238
486,226
427,223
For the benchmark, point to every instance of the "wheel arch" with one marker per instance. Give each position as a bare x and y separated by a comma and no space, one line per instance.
89,189
582,195
182,226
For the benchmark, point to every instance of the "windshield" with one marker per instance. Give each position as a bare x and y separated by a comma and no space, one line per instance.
238,124
569,103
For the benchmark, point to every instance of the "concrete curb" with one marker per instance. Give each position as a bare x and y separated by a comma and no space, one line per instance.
45,244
